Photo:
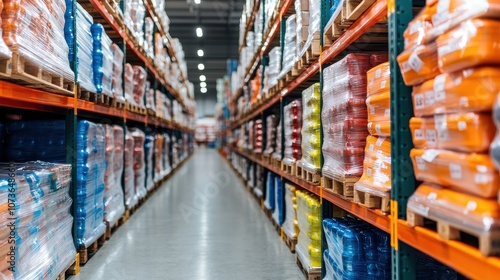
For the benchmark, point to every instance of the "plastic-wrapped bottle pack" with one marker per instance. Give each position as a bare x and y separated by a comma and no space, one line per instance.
84,43
102,60
293,127
290,48
29,140
129,172
149,148
139,163
44,241
259,137
279,203
117,79
271,128
149,27
290,224
311,129
4,50
168,163
344,116
278,150
274,67
158,158
36,30
140,77
309,239
128,83
113,194
90,169
134,14
270,200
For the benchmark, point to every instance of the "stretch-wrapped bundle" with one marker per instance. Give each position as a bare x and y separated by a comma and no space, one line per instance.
150,99
139,163
134,14
279,201
259,137
102,60
159,145
149,148
311,129
271,128
168,164
128,84
118,162
290,225
293,136
113,194
90,169
278,150
4,50
270,201
117,82
129,172
140,77
44,245
290,48
309,240
149,27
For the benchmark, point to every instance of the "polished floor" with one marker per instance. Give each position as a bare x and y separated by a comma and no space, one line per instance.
202,224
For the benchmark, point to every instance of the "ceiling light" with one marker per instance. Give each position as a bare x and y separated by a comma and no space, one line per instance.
197,2
199,32
203,90
203,84
203,78
201,53
201,66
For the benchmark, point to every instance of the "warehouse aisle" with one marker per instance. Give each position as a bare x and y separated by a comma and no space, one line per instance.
203,224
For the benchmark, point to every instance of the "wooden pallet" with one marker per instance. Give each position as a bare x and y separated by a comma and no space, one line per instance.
310,273
118,104
488,243
341,185
87,253
311,176
290,169
151,112
72,269
373,201
290,242
276,163
266,159
135,108
23,72
111,228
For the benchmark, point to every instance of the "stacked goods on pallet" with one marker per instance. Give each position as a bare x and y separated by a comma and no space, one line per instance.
259,137
293,135
314,22
129,172
273,69
117,79
140,78
356,250
453,127
113,193
35,31
149,147
279,202
252,178
311,129
149,27
102,60
161,59
162,107
277,155
290,46
28,140
309,223
167,163
258,28
82,51
150,98
271,128
270,200
290,224
139,163
128,83
376,178
251,135
260,182
134,14
90,169
44,245
344,117
302,24
4,50
158,158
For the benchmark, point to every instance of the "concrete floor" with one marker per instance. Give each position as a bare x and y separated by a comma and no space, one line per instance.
202,224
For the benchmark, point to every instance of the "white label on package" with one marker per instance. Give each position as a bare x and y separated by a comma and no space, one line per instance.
464,102
471,206
376,165
481,179
419,101
421,165
429,98
378,73
439,84
462,126
383,84
430,155
440,122
371,148
431,137
455,171
380,141
387,113
415,62
419,134
432,196
377,129
368,171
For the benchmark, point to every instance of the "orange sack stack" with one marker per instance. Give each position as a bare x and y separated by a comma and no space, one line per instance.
451,60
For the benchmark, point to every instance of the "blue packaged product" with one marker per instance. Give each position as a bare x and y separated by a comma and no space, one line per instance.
270,192
279,204
102,60
149,150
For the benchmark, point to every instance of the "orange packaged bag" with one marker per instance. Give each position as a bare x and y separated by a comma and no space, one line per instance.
466,132
472,90
379,107
419,28
381,129
376,178
473,43
467,172
419,64
378,79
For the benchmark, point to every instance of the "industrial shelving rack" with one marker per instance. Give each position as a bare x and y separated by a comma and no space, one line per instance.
465,259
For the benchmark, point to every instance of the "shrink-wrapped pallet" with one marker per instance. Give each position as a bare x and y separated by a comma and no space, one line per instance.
139,163
129,172
102,60
279,203
134,14
4,50
292,132
311,129
117,80
113,193
271,129
290,225
309,222
149,147
158,158
128,83
140,78
259,137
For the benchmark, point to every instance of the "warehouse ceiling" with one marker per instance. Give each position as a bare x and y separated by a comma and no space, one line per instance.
219,21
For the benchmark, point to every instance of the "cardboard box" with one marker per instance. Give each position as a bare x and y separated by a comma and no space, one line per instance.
305,19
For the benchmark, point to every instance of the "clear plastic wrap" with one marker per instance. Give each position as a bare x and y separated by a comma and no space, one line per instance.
344,116
471,173
118,162
419,28
271,129
308,247
470,90
134,14
140,78
476,215
314,19
290,225
129,172
378,58
35,29
290,48
419,63
4,50
251,135
149,27
128,85
311,129
260,180
30,140
293,135
149,147
274,67
300,40
356,250
44,242
102,60
259,137
113,193
279,137
376,178
139,163
158,158
473,43
465,132
90,170
117,79
279,203
150,98
270,200
169,150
